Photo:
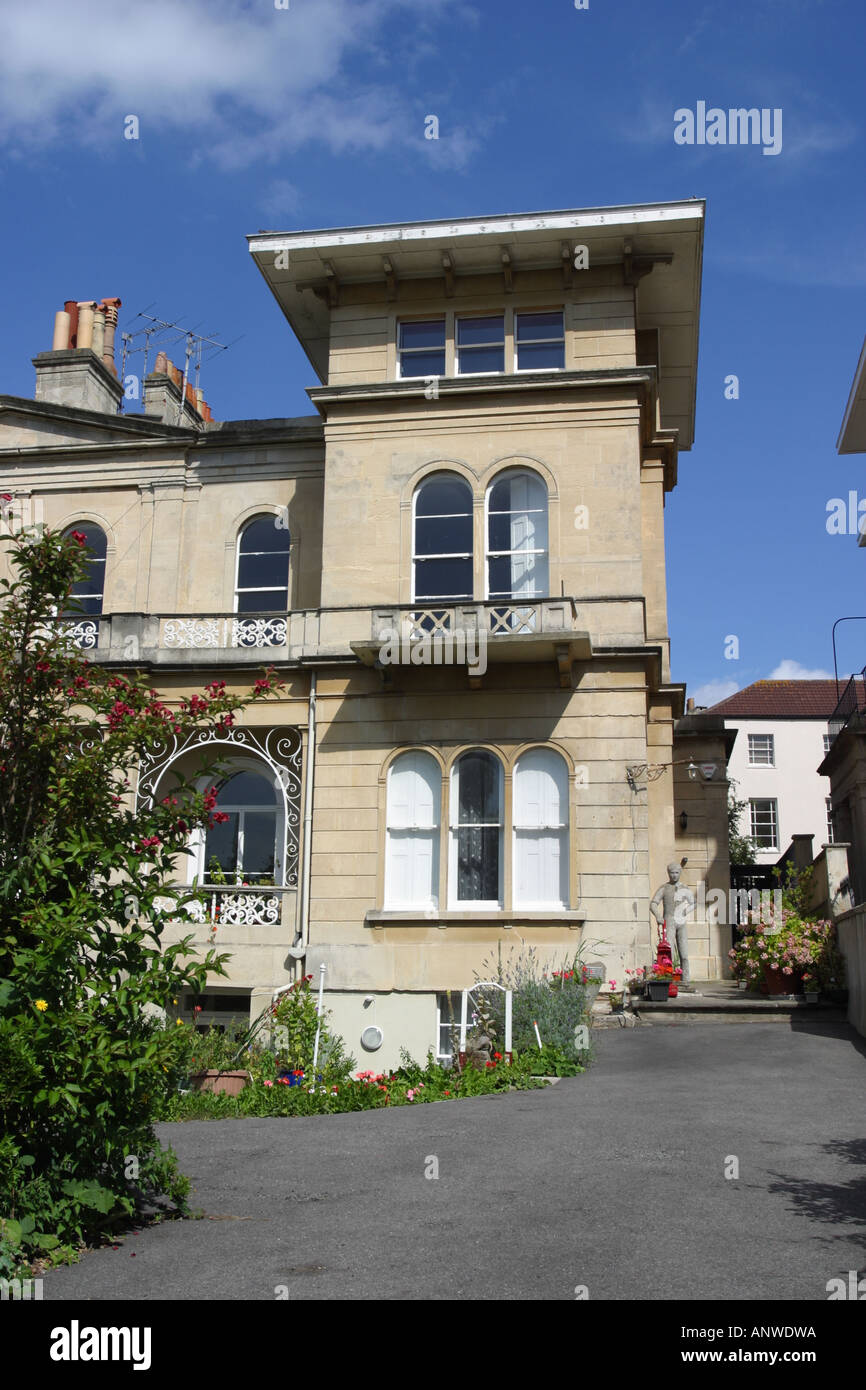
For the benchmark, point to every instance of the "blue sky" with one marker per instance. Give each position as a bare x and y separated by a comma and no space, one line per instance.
252,117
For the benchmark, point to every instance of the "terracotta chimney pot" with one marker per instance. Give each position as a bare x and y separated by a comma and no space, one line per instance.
111,307
71,307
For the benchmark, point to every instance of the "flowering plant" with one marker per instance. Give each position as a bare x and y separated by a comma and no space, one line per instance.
794,945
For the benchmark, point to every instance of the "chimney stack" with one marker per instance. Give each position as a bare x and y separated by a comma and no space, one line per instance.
79,370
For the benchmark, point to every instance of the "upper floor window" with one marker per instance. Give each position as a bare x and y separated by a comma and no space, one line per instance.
245,848
481,344
442,551
827,743
762,750
539,341
422,348
263,567
541,830
87,594
517,550
476,824
764,818
412,849
831,829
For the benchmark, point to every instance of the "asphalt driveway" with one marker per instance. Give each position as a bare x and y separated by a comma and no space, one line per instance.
614,1180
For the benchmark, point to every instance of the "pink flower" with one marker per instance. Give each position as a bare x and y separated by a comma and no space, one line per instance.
269,1083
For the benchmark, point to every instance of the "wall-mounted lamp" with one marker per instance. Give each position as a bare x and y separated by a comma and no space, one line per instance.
684,821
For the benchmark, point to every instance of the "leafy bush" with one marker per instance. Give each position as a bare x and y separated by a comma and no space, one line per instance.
557,1000
85,896
294,1024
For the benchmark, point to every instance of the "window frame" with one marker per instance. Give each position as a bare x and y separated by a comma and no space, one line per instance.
242,809
514,472
456,904
263,589
82,614
771,749
558,309
426,318
465,318
562,830
754,802
451,348
434,832
448,602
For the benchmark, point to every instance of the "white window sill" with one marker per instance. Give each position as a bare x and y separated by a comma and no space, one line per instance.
565,917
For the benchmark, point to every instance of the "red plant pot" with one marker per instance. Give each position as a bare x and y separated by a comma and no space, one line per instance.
775,982
673,990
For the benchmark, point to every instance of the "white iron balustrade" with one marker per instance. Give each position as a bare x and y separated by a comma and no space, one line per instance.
198,633
83,634
238,907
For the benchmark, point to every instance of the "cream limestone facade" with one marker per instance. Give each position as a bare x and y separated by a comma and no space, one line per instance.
557,829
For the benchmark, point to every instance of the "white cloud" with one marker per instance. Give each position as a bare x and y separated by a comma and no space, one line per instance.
789,670
712,691
234,81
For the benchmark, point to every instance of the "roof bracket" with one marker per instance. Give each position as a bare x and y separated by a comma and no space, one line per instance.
634,268
507,270
332,284
390,277
448,271
567,265
562,652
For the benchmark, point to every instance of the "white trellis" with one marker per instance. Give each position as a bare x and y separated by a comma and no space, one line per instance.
464,1011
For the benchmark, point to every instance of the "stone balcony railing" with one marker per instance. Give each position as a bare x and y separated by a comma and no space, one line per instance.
512,630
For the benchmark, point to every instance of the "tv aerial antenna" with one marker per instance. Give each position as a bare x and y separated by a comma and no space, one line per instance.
161,334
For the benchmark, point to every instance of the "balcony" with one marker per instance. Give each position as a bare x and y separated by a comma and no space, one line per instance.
242,906
851,702
560,630
477,634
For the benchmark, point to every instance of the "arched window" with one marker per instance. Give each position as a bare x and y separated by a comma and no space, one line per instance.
475,867
541,830
246,848
442,542
263,567
517,552
87,594
412,851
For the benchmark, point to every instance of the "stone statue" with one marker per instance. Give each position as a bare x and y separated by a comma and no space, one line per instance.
674,904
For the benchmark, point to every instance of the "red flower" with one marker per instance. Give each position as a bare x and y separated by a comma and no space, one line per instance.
79,538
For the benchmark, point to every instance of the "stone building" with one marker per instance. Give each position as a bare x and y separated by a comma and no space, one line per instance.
457,565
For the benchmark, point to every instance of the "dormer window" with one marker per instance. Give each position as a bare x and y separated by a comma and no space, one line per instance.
539,341
422,348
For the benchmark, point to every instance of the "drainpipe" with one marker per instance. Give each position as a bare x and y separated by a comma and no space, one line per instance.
300,947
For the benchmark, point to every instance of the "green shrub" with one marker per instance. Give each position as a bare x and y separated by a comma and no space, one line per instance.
555,1000
85,897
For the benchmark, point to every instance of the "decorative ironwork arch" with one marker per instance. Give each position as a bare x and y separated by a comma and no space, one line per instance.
464,1010
281,749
